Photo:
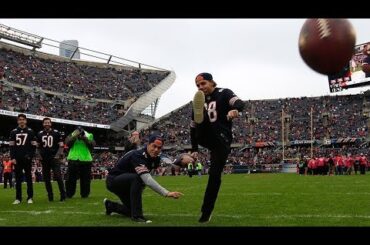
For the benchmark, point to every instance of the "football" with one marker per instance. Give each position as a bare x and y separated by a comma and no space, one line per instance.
327,45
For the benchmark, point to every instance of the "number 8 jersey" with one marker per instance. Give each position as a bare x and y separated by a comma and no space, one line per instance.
216,124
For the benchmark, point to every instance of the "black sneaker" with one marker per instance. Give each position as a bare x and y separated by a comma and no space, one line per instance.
198,107
62,199
205,218
141,220
51,198
106,202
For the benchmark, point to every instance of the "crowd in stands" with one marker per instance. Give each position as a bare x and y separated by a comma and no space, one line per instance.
70,79
333,117
77,79
16,99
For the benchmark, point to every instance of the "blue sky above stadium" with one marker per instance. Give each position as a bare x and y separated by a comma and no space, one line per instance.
256,58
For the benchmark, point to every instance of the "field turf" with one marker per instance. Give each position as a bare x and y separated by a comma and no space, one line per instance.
244,200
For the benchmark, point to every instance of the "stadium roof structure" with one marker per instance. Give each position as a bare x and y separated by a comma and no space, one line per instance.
18,36
150,98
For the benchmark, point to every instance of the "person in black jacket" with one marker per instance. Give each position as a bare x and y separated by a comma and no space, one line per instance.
130,175
50,145
22,144
213,111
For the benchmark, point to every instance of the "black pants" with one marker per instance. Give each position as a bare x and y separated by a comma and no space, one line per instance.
362,168
82,170
219,147
23,164
47,166
129,188
191,172
356,167
218,161
8,177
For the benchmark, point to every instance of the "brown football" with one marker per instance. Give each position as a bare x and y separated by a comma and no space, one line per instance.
327,45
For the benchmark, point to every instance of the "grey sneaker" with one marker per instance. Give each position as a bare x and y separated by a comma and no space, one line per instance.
198,106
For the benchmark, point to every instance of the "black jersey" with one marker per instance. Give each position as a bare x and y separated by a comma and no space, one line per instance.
135,161
216,124
22,143
49,142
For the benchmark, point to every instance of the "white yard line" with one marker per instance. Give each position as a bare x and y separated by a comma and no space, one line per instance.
346,216
28,212
287,216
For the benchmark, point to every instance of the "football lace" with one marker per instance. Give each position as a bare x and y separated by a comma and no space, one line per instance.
324,28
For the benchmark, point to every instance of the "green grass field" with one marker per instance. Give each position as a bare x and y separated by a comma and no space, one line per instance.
244,200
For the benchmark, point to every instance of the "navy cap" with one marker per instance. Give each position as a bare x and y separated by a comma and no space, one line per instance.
204,76
156,138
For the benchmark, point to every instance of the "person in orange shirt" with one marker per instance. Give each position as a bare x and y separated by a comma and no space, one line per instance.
8,172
